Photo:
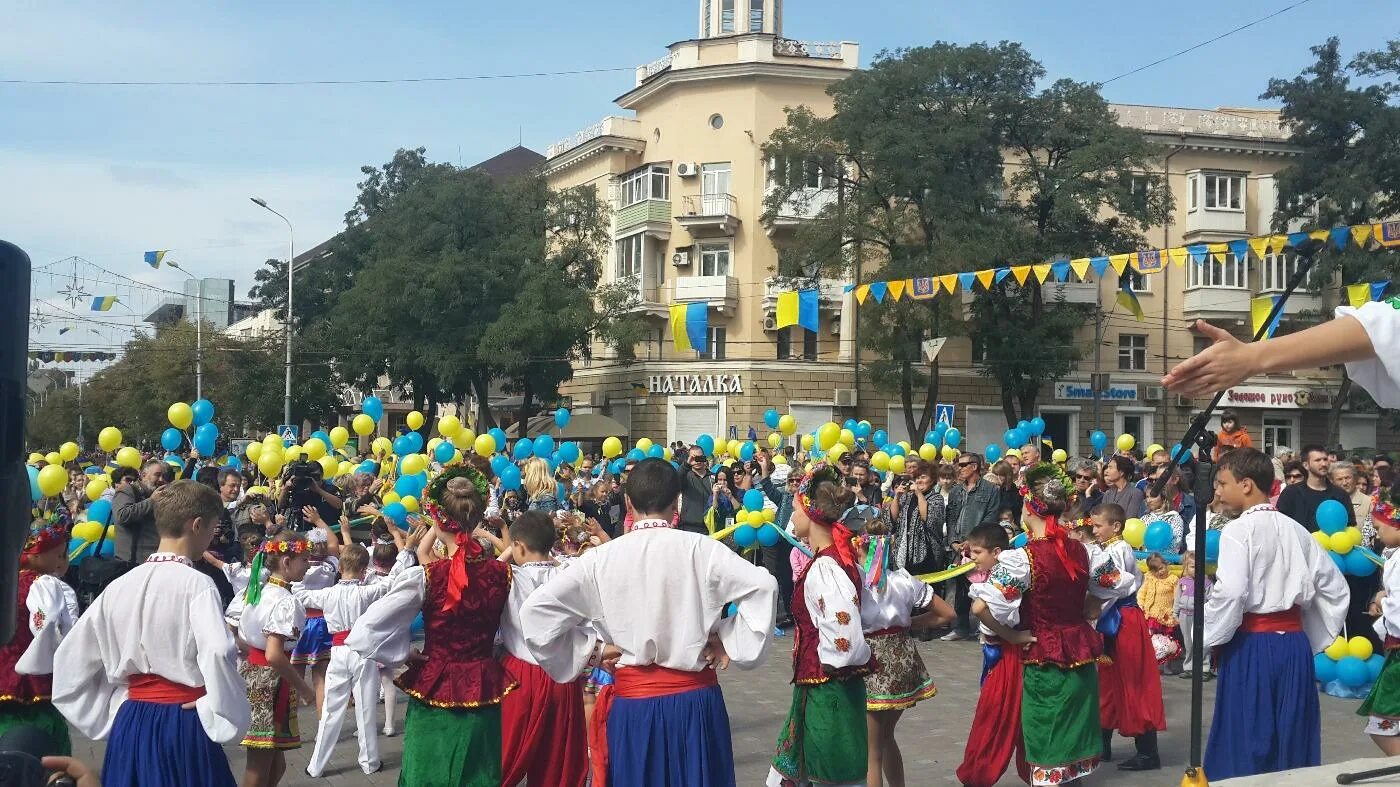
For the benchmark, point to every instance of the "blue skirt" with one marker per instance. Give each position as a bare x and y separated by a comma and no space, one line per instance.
162,743
314,645
1267,716
678,740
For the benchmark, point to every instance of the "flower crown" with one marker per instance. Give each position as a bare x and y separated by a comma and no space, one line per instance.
803,498
286,547
1056,480
1383,510
432,498
47,532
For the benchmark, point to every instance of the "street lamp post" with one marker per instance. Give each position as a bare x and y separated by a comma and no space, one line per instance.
291,256
198,328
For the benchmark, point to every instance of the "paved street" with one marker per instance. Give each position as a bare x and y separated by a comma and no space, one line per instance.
932,734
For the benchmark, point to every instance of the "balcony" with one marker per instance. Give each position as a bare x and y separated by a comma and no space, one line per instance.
720,292
710,215
623,132
654,213
1073,292
1216,303
831,293
819,50
802,206
1211,224
649,295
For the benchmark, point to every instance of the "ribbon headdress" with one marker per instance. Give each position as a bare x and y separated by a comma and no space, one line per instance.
274,546
466,545
47,532
1043,483
803,501
1383,509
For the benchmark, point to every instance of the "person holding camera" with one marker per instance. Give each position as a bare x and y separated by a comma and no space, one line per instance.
301,487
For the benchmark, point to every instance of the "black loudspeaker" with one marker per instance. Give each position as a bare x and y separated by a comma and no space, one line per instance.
14,478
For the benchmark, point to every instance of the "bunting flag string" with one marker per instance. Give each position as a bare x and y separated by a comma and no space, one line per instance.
1259,309
70,356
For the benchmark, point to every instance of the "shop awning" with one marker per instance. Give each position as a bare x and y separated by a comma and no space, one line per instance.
582,426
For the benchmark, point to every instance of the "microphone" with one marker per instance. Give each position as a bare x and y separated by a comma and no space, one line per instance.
21,752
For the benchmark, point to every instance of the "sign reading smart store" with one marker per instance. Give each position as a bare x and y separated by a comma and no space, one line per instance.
1084,391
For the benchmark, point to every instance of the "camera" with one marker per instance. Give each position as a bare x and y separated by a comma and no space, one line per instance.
303,475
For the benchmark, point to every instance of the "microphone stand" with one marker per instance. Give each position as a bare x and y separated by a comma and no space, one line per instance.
1204,491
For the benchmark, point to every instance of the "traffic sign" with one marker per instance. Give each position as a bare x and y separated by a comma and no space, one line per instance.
943,414
288,433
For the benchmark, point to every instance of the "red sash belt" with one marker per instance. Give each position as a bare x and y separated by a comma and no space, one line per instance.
888,631
154,688
1391,643
637,683
315,613
257,657
338,637
1285,621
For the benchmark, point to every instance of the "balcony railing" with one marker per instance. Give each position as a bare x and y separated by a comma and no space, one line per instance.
822,50
649,70
709,215
718,291
711,205
607,127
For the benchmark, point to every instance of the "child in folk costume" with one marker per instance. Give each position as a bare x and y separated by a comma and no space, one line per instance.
824,740
542,724
1046,583
1157,599
1130,688
347,674
1278,599
891,602
238,574
151,661
452,731
270,623
47,610
1382,705
667,606
314,647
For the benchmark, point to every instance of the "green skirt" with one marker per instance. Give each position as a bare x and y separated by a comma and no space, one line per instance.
38,714
823,740
1060,722
451,747
1384,699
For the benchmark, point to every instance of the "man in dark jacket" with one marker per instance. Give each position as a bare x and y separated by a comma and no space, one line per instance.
134,512
697,487
972,501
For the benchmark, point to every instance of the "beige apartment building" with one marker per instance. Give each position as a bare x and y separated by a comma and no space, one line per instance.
685,173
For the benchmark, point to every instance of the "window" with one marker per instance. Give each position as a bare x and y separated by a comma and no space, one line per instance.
1279,432
1139,190
1278,269
1137,282
714,259
726,16
715,352
1217,191
1132,352
705,20
630,253
649,182
811,172
809,344
1228,271
755,16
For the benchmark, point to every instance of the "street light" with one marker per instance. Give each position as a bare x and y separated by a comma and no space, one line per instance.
198,328
291,255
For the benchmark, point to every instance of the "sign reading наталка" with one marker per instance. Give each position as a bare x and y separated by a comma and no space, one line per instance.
686,384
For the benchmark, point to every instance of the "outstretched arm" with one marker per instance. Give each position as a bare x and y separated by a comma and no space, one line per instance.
1229,361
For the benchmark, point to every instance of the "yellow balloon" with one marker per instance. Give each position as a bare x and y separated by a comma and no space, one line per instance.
732,449
949,453
362,424
68,451
273,442
129,457
111,531
412,464
1152,449
836,451
314,450
780,459
1134,531
270,464
391,497
768,514
109,438
741,517
928,452
847,438
253,451
87,531
53,458
328,465
807,442
1059,457
34,458
344,468
381,446
449,425
52,479
414,419
897,464
1337,650
774,439
463,438
410,503
1340,543
1126,442
457,457
880,461
905,445
828,434
1355,533
787,425
180,415
485,444
1321,538
292,454
666,453
95,488
644,444
339,437
1360,647
433,443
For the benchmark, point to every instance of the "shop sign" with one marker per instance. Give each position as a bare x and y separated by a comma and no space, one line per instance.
693,384
1277,396
1081,391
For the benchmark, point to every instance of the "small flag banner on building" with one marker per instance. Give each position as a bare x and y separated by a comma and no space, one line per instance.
1359,295
690,326
1259,309
70,356
154,258
799,308
1146,263
1129,300
103,303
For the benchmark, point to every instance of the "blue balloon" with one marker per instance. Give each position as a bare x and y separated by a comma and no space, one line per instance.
92,470
206,439
561,417
1020,540
636,455
372,407
203,410
415,442
1212,546
34,494
1179,451
100,511
1158,537
993,452
444,452
656,451
499,436
235,462
109,548
676,465
510,478
367,467
599,468
1357,564
1324,668
1024,426
544,445
880,437
396,512
1010,438
1374,665
499,462
933,436
706,443
77,556
771,418
863,430
523,449
401,446
171,439
1098,440
745,452
753,500
617,466
768,535
1037,426
745,536
1339,561
408,486
416,626
850,424
1352,672
895,449
568,452
1331,517
953,438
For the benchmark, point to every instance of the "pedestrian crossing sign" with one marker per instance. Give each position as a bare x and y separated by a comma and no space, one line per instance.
288,433
943,414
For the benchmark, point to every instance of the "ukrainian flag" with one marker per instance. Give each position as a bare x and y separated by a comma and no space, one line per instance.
154,258
103,303
1129,300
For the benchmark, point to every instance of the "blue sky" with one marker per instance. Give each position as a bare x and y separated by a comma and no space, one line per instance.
107,172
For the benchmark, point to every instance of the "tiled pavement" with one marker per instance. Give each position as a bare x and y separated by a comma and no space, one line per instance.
932,734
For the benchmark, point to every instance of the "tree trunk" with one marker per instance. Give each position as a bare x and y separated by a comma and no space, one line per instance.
481,388
1008,408
906,395
1334,415
523,416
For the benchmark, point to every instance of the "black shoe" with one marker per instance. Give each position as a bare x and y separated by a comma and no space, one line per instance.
1140,762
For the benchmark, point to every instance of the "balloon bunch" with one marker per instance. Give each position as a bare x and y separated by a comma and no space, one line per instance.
1343,544
754,523
1348,667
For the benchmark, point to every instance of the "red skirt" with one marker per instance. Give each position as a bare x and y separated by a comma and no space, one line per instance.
996,725
1130,687
542,732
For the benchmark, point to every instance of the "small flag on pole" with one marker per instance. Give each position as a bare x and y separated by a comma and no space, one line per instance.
103,303
1259,309
154,258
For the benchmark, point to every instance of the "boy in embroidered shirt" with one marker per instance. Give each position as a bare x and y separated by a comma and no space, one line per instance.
314,646
1382,705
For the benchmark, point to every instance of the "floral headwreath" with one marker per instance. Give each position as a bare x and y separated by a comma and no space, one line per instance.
1383,510
47,532
272,546
457,578
286,547
803,498
1050,473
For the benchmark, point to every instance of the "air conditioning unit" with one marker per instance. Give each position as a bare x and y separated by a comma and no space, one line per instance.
1185,401
597,398
681,258
770,323
845,397
1154,393
687,169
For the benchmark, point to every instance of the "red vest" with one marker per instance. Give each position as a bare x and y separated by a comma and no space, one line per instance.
460,670
1053,608
806,663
